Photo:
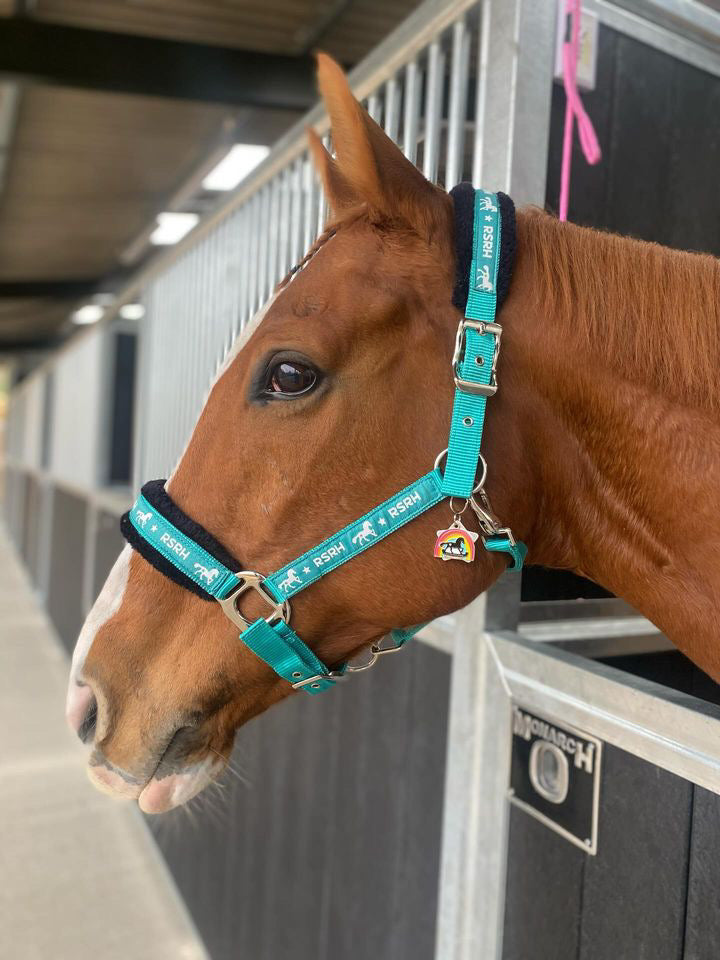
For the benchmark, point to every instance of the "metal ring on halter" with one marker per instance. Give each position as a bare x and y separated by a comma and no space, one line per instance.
461,511
439,457
481,460
376,651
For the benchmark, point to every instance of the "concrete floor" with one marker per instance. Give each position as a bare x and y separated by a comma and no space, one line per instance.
80,876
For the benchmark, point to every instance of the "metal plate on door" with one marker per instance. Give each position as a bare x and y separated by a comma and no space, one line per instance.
555,775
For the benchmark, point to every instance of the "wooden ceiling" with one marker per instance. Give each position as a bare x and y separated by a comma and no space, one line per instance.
88,170
345,28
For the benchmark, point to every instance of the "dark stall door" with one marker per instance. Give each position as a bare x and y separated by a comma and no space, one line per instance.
653,890
658,122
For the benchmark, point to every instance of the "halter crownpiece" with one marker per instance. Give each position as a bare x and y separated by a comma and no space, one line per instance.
184,551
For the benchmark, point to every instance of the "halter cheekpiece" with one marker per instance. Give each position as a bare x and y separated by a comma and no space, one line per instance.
184,551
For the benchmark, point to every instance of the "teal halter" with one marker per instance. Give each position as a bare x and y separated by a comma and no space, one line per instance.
271,638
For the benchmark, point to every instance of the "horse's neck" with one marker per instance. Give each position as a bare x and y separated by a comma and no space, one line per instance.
626,486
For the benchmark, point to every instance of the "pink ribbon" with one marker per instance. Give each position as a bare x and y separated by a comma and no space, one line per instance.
574,109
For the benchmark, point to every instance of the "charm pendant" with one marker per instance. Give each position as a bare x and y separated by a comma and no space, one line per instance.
456,543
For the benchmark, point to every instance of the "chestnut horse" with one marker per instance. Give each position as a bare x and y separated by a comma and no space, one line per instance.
603,446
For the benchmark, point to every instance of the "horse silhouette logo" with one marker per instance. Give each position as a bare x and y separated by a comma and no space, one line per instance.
142,518
206,574
291,580
486,203
454,548
482,279
456,543
366,533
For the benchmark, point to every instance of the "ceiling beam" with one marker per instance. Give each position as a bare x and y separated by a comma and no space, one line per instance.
47,289
51,53
12,348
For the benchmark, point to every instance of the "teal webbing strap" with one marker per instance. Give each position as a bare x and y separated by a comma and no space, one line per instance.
283,650
357,536
468,416
176,547
503,544
401,635
277,644
477,351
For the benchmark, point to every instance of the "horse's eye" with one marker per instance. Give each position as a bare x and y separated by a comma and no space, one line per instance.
291,378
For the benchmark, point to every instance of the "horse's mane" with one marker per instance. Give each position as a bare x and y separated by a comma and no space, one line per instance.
652,312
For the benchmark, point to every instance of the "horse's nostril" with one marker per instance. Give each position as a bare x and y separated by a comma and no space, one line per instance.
86,730
80,705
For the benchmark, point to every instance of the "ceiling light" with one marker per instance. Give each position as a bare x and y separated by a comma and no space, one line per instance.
90,313
132,311
235,166
172,227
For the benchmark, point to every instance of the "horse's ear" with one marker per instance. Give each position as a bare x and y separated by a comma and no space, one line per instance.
373,167
340,195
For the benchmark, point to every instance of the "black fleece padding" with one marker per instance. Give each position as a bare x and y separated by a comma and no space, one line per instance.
157,496
463,196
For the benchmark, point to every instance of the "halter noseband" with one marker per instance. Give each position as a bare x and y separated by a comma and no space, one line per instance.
184,551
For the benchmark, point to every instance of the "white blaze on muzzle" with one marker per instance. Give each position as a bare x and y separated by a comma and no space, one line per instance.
106,606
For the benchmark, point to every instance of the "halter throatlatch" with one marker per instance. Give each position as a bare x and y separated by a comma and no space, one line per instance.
184,551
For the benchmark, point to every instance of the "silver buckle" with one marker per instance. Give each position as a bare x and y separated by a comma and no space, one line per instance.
250,580
467,386
314,682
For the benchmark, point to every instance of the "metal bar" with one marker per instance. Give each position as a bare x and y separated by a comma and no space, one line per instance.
433,110
218,293
262,246
513,102
297,211
239,234
374,107
392,108
481,93
285,187
253,253
240,218
180,286
312,194
411,117
472,870
323,211
458,100
273,232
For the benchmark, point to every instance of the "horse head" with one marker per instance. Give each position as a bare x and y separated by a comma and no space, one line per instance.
338,394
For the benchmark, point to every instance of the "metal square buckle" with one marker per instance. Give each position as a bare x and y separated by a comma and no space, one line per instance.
250,580
468,386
